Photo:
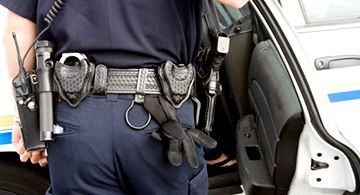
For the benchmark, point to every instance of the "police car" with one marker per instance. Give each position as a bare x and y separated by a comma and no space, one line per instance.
290,95
288,111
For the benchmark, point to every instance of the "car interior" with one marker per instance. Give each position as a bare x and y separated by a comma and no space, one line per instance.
258,117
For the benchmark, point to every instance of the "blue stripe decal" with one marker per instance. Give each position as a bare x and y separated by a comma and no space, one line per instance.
5,138
8,129
344,96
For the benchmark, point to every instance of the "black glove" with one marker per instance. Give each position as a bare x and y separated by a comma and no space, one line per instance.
177,138
174,146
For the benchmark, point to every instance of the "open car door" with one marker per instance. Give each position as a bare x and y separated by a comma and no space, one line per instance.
274,108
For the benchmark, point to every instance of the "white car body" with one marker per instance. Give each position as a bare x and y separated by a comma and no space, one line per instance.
6,102
335,91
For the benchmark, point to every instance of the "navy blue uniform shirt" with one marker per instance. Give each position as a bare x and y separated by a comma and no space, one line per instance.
120,33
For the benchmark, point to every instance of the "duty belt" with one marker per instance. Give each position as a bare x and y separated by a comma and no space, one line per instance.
139,81
78,77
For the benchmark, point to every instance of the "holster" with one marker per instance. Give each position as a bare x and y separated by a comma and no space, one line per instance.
27,109
209,86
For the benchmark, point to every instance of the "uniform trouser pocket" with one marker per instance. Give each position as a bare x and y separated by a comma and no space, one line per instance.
49,191
199,184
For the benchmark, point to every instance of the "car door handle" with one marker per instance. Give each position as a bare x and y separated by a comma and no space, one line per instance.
337,62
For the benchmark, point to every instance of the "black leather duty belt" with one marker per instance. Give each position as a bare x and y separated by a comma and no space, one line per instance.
139,81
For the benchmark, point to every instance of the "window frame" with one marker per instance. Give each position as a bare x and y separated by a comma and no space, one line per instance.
328,22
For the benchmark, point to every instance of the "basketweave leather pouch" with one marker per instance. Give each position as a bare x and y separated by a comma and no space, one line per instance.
177,81
74,80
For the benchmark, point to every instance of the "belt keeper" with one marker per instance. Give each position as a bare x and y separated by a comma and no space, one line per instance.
139,97
100,80
141,85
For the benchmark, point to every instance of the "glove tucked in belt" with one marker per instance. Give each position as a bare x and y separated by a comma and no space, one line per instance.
172,132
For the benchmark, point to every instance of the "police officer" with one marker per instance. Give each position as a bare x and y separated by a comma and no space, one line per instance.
97,151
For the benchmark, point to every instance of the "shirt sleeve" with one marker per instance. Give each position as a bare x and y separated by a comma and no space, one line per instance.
24,8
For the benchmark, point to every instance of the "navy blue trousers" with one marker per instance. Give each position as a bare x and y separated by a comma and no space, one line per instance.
98,153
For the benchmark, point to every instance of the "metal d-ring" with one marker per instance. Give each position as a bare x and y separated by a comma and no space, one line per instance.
127,118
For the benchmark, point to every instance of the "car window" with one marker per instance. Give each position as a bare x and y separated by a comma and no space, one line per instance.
316,11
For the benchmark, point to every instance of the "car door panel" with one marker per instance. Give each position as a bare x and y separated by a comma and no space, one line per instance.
277,124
